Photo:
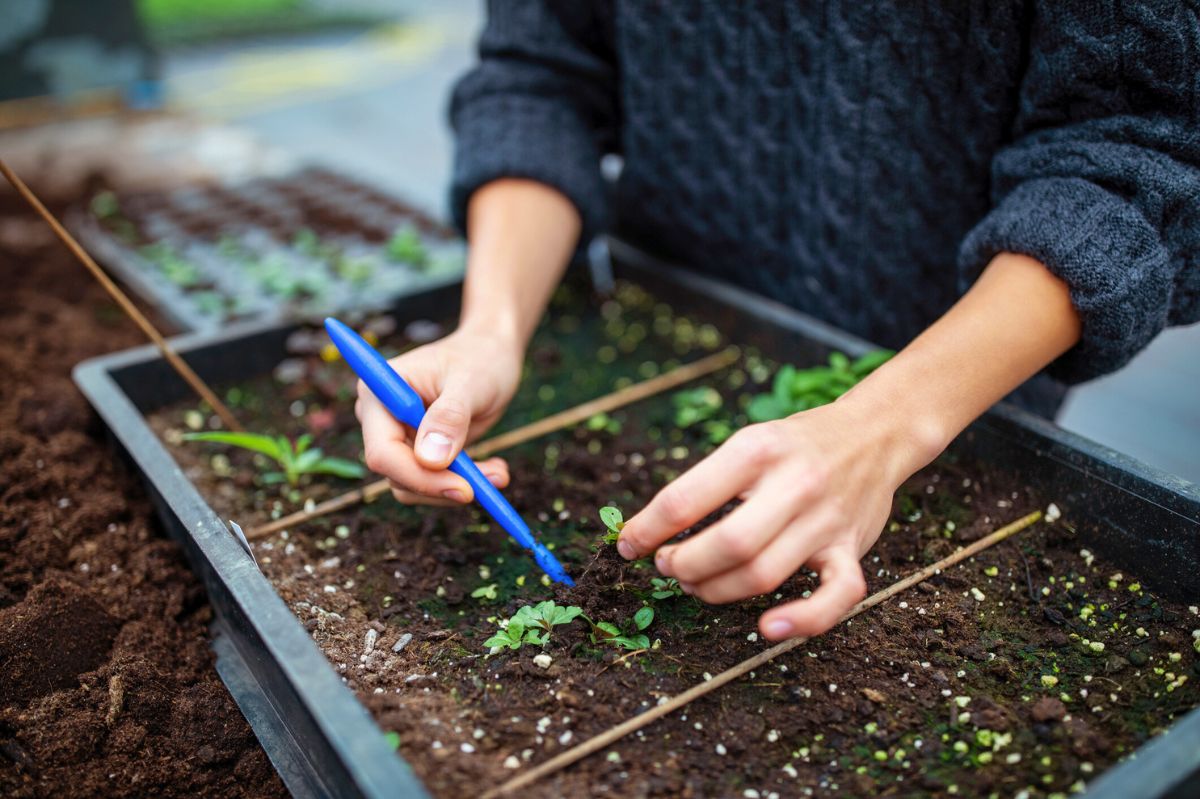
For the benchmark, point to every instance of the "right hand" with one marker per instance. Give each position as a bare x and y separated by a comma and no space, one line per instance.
466,380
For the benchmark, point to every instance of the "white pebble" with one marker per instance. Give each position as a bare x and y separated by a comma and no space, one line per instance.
1053,514
720,749
542,661
512,762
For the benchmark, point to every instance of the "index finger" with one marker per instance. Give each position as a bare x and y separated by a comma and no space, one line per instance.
686,500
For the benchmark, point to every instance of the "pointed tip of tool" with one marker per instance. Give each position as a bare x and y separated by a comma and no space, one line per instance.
551,566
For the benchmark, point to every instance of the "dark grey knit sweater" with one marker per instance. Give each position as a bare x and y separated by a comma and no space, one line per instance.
863,161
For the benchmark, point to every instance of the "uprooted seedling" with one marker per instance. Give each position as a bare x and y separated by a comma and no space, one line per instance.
614,521
294,460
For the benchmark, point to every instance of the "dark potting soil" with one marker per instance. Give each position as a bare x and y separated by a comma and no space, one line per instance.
108,686
1034,666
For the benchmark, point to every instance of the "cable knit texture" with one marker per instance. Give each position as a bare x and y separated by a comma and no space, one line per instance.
863,161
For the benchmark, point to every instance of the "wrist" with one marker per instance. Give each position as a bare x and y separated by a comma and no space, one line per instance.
906,433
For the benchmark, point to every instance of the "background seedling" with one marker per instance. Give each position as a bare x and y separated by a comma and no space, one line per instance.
696,405
294,460
665,588
405,246
533,624
628,635
795,390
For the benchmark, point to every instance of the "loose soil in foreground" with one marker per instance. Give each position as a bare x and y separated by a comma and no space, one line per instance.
108,685
1033,667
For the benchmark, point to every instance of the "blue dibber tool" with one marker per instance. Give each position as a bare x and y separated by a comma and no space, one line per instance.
404,404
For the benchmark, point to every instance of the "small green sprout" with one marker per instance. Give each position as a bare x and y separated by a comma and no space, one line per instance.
630,637
532,624
602,421
172,265
696,405
665,588
105,205
795,390
393,739
405,246
295,460
613,520
485,592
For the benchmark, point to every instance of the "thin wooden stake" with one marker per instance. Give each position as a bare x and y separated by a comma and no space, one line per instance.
123,300
602,740
549,424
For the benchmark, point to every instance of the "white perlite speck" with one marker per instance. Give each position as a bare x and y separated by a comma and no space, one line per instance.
720,749
979,597
512,762
403,641
542,661
1053,514
369,641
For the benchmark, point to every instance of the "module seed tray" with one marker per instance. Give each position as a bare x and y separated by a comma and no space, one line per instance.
321,737
275,249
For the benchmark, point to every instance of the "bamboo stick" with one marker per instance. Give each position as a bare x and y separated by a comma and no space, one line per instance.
549,424
124,302
606,738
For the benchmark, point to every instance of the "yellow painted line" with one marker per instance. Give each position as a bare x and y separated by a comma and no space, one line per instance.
258,81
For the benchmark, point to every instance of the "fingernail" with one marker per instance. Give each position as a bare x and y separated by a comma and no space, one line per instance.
434,447
626,549
776,629
454,495
494,479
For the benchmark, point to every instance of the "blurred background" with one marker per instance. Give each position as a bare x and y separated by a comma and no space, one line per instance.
157,94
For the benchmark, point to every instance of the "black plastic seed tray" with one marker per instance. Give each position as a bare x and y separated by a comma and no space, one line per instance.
321,738
278,249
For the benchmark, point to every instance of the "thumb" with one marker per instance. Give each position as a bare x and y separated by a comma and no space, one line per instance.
444,429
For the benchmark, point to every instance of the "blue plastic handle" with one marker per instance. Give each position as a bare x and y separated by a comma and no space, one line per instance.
406,405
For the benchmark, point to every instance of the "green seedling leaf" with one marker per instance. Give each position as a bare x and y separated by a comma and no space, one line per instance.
839,362
643,618
393,739
665,588
405,246
295,460
870,362
612,518
255,442
485,592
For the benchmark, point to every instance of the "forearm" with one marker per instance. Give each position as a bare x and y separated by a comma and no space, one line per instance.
521,236
1015,320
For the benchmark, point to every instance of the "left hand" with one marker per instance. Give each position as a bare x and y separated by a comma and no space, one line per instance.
818,490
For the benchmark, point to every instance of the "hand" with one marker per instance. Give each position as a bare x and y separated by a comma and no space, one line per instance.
466,380
817,488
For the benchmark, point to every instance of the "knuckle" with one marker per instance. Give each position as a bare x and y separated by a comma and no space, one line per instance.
761,577
856,585
755,444
674,505
451,412
734,546
375,459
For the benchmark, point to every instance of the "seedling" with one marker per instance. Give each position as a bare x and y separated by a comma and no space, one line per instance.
405,246
696,405
532,624
628,635
484,592
795,390
602,421
174,267
612,519
665,587
295,460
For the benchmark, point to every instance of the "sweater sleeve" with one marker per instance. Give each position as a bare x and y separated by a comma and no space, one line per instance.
1101,182
539,105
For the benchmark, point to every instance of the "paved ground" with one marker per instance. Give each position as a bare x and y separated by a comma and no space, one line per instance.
374,105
